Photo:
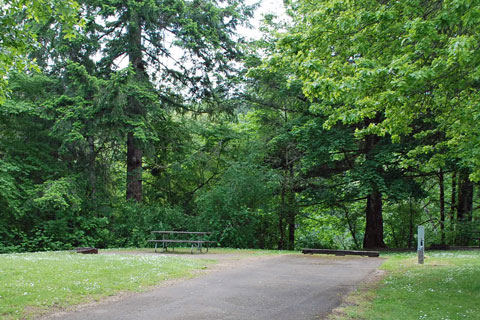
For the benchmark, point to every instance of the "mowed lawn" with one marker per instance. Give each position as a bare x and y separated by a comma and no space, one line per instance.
446,287
35,283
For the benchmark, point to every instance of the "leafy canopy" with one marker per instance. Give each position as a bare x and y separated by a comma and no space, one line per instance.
20,21
392,66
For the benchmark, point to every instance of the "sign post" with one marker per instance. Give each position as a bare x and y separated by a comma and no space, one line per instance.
421,244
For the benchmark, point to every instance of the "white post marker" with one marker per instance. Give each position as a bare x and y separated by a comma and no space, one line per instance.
421,244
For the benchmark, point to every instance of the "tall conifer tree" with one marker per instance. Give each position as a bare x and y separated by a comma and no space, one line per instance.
175,48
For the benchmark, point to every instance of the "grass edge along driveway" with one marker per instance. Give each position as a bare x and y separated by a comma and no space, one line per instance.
33,284
446,287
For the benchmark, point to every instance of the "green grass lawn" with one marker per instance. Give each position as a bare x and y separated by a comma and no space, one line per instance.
35,283
447,286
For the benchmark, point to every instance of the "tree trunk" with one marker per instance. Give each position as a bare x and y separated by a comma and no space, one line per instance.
291,232
287,215
453,200
352,227
292,207
410,226
134,149
291,219
91,167
374,220
281,241
281,227
374,228
442,205
394,236
134,169
465,197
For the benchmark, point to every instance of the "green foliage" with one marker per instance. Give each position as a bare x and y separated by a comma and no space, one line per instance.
133,222
327,230
238,208
401,221
411,63
19,24
349,100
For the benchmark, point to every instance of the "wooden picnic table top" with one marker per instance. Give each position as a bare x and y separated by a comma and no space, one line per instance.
180,232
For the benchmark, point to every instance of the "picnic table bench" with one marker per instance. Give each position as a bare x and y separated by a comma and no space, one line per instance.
197,239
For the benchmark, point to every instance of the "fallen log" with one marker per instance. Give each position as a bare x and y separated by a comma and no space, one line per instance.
87,250
341,252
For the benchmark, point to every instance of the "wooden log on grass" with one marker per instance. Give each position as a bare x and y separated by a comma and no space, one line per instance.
342,252
87,250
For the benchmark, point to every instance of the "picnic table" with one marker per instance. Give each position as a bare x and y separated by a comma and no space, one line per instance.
197,239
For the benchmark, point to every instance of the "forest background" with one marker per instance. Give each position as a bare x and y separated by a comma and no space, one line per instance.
346,125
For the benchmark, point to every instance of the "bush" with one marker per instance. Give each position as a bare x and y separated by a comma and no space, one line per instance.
238,209
133,222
